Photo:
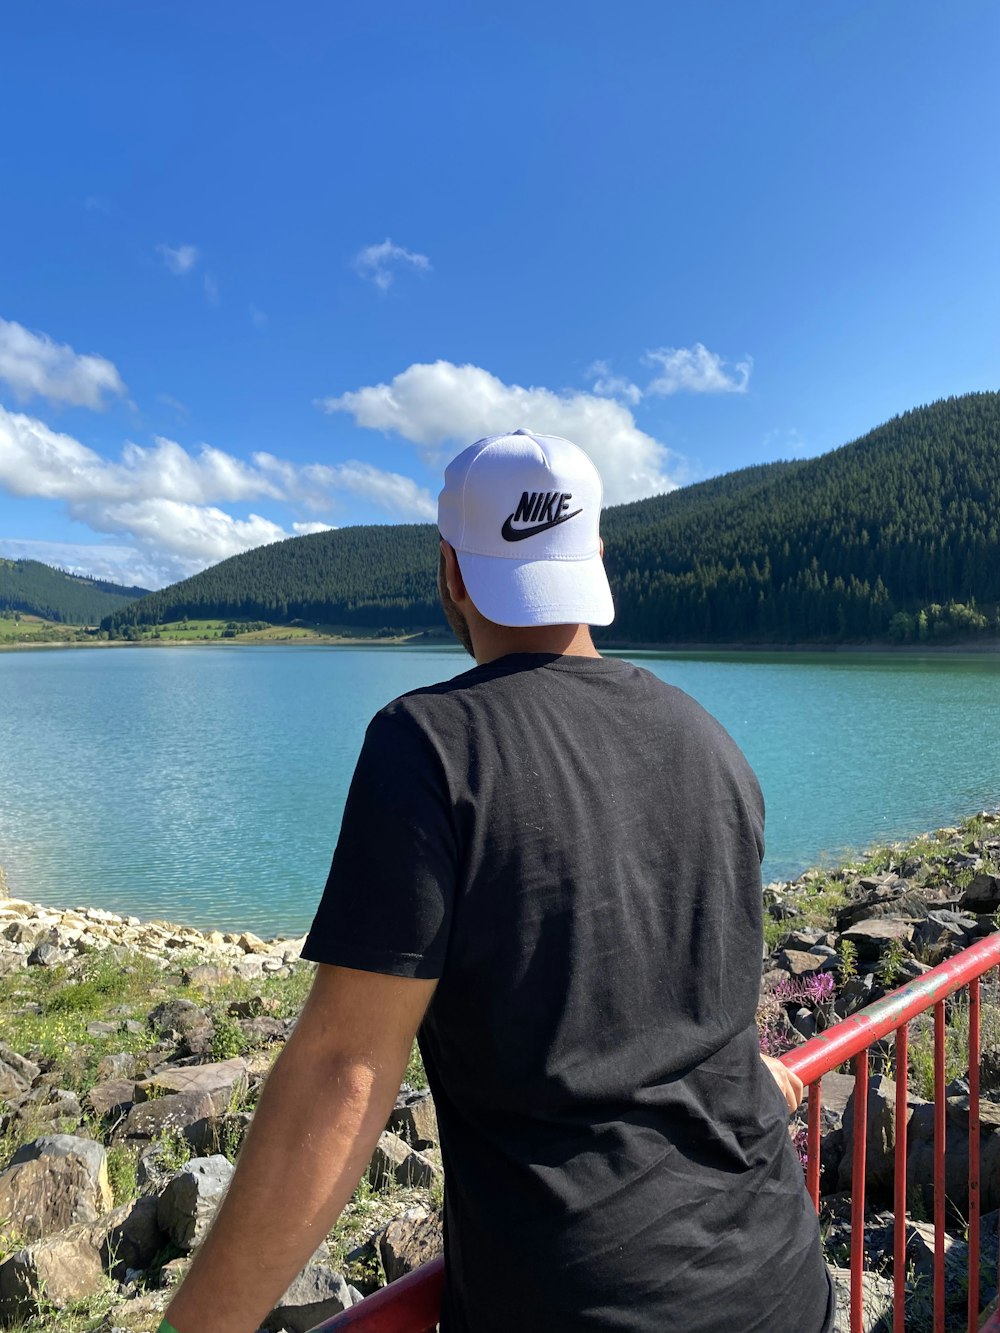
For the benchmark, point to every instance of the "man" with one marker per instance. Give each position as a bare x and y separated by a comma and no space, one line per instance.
551,866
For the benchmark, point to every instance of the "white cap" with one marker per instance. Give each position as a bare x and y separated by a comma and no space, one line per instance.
523,513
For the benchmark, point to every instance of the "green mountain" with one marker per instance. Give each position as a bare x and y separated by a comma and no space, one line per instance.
34,589
895,534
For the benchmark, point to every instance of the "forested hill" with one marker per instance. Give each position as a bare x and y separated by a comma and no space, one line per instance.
34,589
895,534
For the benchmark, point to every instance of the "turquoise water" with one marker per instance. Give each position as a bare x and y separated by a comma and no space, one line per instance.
206,784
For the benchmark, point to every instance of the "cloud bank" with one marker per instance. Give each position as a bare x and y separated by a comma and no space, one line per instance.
32,365
167,500
442,404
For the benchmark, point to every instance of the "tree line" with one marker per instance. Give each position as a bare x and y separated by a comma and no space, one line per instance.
893,536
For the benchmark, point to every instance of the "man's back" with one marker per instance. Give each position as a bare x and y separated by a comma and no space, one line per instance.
573,848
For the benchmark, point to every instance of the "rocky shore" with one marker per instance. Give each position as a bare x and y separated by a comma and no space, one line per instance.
132,1055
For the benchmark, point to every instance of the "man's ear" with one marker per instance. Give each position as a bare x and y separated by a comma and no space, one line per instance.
453,574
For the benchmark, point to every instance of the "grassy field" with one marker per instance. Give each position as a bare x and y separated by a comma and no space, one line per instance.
34,629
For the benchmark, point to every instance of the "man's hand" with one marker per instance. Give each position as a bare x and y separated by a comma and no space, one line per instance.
325,1103
789,1084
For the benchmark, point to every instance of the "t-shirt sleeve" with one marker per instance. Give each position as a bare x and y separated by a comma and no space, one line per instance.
387,906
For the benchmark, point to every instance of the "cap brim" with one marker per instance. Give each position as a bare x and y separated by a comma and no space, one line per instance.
520,593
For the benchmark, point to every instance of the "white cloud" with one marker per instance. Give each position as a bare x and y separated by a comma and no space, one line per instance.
696,370
444,404
167,500
33,365
174,403
117,564
608,385
211,289
307,529
179,258
379,262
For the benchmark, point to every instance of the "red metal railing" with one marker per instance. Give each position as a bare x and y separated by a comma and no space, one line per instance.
412,1304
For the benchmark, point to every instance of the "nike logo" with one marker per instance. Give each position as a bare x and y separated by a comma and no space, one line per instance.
546,505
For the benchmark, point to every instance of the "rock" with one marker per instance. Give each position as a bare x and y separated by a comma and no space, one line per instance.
57,1271
395,1160
27,1069
220,1081
943,932
410,1240
129,1237
870,937
42,1192
251,943
920,1152
191,1114
982,894
173,1272
804,938
317,1294
188,1204
121,1065
263,1029
414,1119
48,955
183,1022
113,1096
208,977
876,1304
12,1084
798,963
881,1122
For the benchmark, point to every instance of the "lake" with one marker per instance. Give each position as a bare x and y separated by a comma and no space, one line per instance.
205,785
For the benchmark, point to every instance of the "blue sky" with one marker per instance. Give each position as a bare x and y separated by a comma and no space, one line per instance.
266,268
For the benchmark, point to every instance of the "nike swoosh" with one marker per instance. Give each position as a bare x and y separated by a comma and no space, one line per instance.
510,534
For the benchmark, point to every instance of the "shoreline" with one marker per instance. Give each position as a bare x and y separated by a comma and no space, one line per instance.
968,647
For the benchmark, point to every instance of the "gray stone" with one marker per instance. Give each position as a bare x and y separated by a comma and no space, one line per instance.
48,955
982,894
412,1239
191,1114
881,1140
130,1237
27,1069
872,936
54,1272
220,1081
317,1294
876,1301
12,1085
113,1096
414,1119
44,1193
395,1160
189,1202
798,963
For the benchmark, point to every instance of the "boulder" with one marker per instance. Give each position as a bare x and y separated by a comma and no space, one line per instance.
317,1294
219,1081
881,1141
410,1240
395,1160
870,937
191,1114
54,1272
130,1237
48,955
112,1096
943,932
982,894
799,963
188,1204
414,1119
876,1316
206,976
53,1183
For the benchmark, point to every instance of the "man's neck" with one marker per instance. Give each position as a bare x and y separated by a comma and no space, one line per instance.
493,641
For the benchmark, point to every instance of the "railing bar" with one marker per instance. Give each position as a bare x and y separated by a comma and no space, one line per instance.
939,1166
858,1191
813,1143
899,1184
974,1057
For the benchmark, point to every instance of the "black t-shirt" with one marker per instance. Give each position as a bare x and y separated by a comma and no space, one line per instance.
573,848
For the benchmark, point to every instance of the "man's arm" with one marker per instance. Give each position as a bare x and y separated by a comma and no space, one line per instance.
324,1105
